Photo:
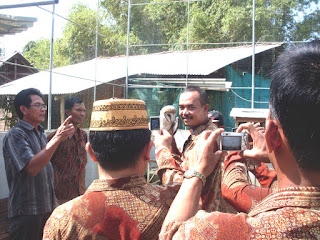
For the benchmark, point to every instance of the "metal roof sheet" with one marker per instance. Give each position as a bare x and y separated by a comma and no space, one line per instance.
14,24
249,113
78,77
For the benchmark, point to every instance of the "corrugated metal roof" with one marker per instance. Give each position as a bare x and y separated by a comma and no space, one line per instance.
14,24
249,113
78,77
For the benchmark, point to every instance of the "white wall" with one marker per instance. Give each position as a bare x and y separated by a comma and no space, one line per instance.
91,168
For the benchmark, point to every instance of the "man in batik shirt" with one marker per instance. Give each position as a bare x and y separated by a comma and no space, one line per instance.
70,159
293,211
120,204
237,188
193,110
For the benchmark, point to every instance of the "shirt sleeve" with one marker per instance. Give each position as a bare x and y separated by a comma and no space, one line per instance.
18,149
204,225
169,166
235,186
52,228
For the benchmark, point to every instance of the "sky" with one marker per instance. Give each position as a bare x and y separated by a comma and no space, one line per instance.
41,28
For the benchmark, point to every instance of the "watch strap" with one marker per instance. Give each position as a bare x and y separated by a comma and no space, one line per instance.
193,173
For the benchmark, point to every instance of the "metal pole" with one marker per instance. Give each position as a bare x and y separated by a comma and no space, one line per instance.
51,60
253,48
128,47
187,75
96,55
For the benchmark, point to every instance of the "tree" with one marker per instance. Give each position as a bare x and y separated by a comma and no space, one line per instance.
38,53
165,22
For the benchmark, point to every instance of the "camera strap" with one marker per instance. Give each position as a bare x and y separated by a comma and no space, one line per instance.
248,177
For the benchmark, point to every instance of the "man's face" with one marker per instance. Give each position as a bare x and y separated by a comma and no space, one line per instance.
191,111
36,113
78,113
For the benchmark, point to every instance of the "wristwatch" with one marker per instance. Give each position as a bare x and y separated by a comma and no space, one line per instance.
192,173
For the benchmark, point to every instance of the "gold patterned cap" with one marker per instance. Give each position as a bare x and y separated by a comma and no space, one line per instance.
118,114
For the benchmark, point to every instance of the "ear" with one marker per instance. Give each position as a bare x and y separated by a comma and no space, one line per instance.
206,107
273,135
146,151
90,151
68,113
23,109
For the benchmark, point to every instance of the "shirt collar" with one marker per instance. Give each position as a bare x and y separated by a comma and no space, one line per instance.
205,126
100,185
306,197
76,134
28,126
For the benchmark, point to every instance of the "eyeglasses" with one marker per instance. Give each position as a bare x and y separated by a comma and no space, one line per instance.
40,106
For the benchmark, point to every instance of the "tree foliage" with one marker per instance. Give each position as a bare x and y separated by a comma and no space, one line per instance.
164,24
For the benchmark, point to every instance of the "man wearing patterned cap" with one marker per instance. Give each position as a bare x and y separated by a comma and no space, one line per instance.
120,204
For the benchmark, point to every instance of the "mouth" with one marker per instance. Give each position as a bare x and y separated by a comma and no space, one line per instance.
186,118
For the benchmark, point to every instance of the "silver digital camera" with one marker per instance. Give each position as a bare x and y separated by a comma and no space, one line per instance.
155,123
232,141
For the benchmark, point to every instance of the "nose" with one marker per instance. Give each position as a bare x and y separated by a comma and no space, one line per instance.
185,111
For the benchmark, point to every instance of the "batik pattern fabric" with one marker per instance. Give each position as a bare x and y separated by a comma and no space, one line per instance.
171,167
291,213
69,165
124,208
235,184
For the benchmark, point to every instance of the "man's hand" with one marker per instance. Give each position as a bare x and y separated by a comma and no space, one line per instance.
65,130
204,156
163,140
41,159
259,149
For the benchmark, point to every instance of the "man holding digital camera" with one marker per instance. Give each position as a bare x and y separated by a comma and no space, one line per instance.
173,166
293,211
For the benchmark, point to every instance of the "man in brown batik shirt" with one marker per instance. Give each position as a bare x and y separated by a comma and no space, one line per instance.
70,159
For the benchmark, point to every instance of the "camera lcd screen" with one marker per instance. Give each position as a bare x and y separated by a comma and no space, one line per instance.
231,143
155,123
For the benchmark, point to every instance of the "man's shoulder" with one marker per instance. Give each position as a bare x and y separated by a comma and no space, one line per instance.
65,210
83,132
17,129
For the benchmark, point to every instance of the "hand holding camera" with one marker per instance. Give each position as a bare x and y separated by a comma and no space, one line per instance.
233,141
204,156
259,147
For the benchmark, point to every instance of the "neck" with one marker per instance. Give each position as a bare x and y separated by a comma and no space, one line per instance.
35,125
289,174
128,172
75,126
302,179
203,123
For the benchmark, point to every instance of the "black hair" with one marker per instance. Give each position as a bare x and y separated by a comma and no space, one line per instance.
71,101
295,101
23,99
117,150
202,93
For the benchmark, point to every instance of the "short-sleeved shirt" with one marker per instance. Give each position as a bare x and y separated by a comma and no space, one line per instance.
69,165
28,195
